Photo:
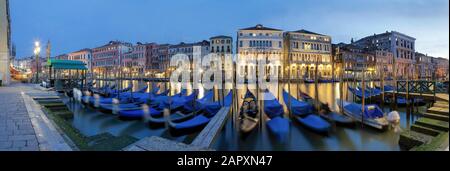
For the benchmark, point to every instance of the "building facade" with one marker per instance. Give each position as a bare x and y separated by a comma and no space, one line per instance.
441,68
424,66
199,49
306,50
106,59
402,46
5,42
258,42
158,61
84,55
135,60
353,61
62,57
384,63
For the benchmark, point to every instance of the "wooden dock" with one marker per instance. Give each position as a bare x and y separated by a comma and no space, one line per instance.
202,142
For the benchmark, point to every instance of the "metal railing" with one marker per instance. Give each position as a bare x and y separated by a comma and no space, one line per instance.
422,87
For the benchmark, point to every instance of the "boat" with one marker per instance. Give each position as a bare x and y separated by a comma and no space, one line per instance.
387,88
358,93
196,123
154,110
272,107
401,101
309,81
91,100
298,107
330,115
277,124
325,80
249,115
305,96
127,97
373,116
303,113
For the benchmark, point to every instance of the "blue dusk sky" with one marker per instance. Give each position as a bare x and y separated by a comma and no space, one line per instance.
71,25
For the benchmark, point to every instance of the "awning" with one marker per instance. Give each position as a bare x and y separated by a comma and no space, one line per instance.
66,64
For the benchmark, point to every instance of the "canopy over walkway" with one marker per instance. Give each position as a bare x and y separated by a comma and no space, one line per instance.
66,64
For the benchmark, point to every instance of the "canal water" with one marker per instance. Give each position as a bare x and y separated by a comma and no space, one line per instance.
362,138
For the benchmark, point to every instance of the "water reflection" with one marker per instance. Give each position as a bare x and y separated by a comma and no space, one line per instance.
359,137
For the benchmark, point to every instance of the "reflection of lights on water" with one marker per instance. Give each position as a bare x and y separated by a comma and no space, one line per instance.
115,102
146,110
97,100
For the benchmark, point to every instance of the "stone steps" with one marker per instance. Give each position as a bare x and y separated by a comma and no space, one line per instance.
425,130
441,104
439,143
433,124
435,116
410,139
438,110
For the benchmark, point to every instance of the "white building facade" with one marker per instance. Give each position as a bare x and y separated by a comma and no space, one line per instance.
307,50
258,42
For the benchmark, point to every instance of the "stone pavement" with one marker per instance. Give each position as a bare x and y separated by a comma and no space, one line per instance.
16,130
23,125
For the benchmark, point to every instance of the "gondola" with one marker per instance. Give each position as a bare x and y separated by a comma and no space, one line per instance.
358,93
137,104
249,115
309,81
331,116
373,116
303,113
387,88
154,111
277,124
91,100
155,118
127,96
196,123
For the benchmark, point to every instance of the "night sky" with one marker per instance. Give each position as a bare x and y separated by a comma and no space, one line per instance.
75,24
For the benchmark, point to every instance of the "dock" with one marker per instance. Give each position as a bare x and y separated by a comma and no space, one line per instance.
430,132
202,142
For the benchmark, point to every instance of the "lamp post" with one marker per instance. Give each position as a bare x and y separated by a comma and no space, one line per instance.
37,50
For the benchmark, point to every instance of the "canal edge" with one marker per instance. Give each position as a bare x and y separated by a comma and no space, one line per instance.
49,138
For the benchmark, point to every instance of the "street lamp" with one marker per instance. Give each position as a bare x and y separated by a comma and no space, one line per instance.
37,50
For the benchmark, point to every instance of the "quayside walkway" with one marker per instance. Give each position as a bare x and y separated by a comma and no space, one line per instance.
23,125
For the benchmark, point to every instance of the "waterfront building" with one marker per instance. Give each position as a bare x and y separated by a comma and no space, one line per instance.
62,57
424,66
158,61
135,61
106,59
354,60
41,65
23,64
401,45
84,55
222,45
307,50
384,61
5,42
441,68
258,42
189,49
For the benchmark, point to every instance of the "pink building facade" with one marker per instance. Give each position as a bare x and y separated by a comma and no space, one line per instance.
106,59
135,61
